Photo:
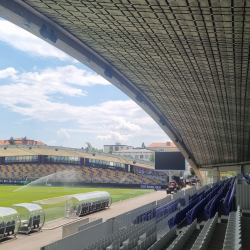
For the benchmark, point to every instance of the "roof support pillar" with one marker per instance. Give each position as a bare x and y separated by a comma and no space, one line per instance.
82,162
2,160
196,170
216,175
44,159
245,169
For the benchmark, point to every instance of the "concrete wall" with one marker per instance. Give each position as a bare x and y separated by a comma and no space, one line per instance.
243,196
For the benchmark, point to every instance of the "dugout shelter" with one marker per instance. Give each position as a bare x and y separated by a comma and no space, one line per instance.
32,217
9,222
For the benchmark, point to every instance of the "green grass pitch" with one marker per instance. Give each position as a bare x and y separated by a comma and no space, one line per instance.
34,193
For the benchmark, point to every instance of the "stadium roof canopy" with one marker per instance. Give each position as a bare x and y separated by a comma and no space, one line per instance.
185,63
34,150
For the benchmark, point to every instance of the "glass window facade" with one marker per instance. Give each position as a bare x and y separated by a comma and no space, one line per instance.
63,159
141,156
99,163
146,156
32,158
136,157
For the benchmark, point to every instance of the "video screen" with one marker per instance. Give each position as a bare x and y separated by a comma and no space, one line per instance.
169,161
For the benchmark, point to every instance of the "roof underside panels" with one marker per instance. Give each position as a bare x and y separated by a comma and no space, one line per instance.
190,58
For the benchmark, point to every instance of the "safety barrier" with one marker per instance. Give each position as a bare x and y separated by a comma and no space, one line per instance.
126,219
166,209
73,227
178,195
83,238
159,244
242,196
190,191
205,235
88,225
201,189
164,201
233,233
229,197
180,241
127,237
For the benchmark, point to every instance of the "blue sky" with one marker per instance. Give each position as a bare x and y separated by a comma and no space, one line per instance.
48,96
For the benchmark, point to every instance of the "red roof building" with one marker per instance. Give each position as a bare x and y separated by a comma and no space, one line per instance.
162,146
22,141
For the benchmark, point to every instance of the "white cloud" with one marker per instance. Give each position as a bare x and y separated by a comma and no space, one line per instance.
67,74
121,123
7,72
32,88
62,133
104,137
29,94
115,136
25,41
52,143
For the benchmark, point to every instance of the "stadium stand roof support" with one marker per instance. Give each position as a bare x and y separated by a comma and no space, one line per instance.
185,63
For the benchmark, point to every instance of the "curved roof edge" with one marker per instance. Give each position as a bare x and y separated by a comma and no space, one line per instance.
28,18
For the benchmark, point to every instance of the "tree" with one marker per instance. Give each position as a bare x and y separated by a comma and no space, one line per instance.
143,145
97,150
152,157
110,151
192,172
11,141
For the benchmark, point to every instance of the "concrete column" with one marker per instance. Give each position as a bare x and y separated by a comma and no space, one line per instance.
81,162
126,168
44,159
216,175
40,159
245,169
2,160
86,162
239,169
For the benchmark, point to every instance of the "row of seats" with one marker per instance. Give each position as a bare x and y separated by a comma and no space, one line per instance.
159,212
147,216
229,197
215,201
166,209
76,174
7,228
138,179
85,208
204,201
